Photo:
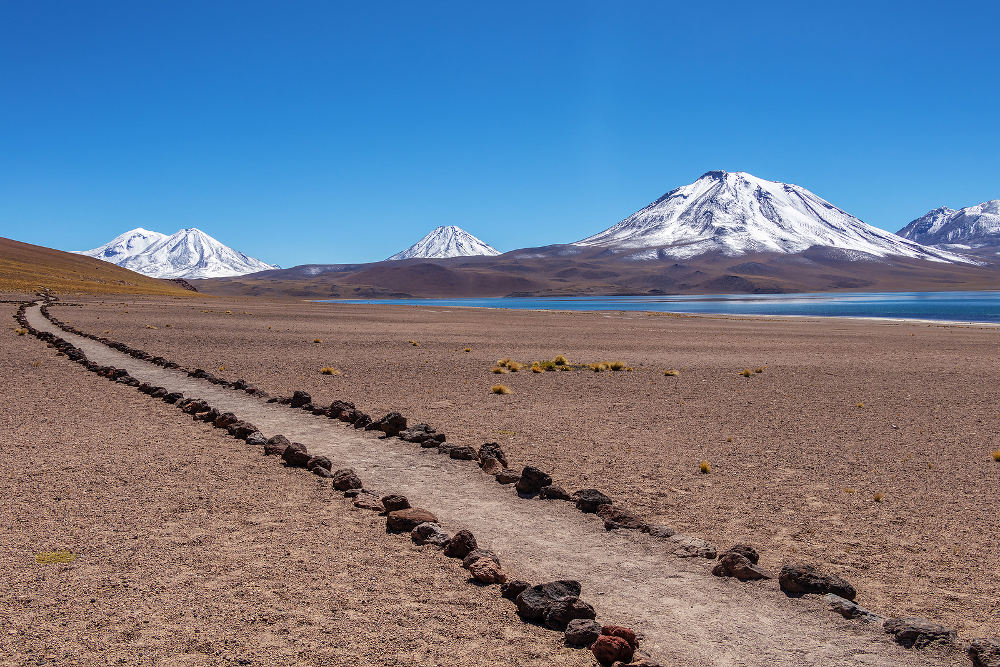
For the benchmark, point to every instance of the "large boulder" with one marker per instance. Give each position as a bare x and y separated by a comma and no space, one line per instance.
616,517
404,521
256,438
296,455
534,603
461,545
462,453
340,410
563,611
744,550
300,398
512,589
532,480
320,462
345,479
590,500
799,580
918,632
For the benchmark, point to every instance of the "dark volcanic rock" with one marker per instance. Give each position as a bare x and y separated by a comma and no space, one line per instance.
985,652
590,500
492,450
609,650
532,480
278,440
475,555
582,632
346,479
744,550
256,438
394,502
225,420
461,545
918,632
404,521
173,397
320,462
798,580
392,424
561,612
662,532
429,533
300,398
507,476
535,602
737,565
361,420
512,589
616,517
296,455
462,453
421,433
553,492
275,448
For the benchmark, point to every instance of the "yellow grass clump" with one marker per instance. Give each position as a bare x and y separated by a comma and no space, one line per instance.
560,360
861,405
150,326
616,366
317,340
759,369
468,349
535,368
329,370
499,369
413,343
878,497
746,372
704,468
52,557
222,367
996,455
500,389
20,332
672,373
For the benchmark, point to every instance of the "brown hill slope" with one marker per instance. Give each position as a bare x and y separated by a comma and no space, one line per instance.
559,271
26,268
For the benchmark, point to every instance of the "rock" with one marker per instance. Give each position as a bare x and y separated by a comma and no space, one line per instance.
321,412
985,652
608,650
582,632
686,546
477,554
367,501
616,517
340,410
849,609
739,566
173,397
590,500
512,589
345,479
242,430
421,433
461,545
320,462
490,465
744,550
918,632
798,580
532,480
462,453
491,450
274,448
296,455
620,631
225,420
300,398
353,493
158,392
392,424
561,612
394,502
443,448
256,438
404,521
361,420
507,476
209,416
486,571
278,440
321,472
662,532
553,492
535,602
429,533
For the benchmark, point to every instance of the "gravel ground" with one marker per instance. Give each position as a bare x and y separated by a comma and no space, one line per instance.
191,549
842,411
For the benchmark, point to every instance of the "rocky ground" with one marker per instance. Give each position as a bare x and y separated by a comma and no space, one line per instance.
861,446
187,547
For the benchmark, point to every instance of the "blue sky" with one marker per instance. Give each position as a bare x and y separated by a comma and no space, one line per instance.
326,132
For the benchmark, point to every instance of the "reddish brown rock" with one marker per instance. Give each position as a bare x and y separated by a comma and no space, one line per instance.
296,455
460,545
346,479
404,521
486,571
620,631
608,650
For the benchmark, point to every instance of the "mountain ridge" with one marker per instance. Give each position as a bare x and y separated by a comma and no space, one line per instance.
446,241
972,227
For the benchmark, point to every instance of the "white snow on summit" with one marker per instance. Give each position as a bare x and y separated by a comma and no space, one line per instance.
972,226
450,241
190,253
736,213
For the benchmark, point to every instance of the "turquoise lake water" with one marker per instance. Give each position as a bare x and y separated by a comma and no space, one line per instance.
958,306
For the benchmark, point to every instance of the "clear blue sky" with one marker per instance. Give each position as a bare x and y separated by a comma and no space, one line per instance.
333,132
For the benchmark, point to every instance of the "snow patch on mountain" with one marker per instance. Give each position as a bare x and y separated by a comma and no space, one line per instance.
449,241
189,253
736,213
972,226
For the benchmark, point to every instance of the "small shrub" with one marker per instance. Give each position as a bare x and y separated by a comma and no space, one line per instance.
560,360
468,349
513,366
850,490
228,312
617,365
759,369
52,557
150,326
36,364
107,331
222,367
672,373
499,369
861,405
996,455
746,372
413,343
317,340
20,332
704,468
535,368
500,389
597,368
329,370
878,497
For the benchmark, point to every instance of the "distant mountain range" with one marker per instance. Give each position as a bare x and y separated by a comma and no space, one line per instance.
189,253
447,241
972,227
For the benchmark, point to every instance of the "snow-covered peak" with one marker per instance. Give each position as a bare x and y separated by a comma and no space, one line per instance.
189,253
736,213
973,226
450,241
125,245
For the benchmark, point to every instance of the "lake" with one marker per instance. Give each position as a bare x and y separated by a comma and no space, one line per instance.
954,306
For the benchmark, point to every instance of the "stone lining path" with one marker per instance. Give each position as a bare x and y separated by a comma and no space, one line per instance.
684,615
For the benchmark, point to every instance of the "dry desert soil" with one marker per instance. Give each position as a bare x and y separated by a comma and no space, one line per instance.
842,410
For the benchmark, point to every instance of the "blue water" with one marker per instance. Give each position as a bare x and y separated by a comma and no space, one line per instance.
958,306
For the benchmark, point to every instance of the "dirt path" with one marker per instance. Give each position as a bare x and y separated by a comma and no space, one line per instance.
684,615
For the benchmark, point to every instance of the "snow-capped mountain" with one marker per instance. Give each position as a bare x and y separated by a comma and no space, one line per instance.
736,213
190,253
973,226
447,241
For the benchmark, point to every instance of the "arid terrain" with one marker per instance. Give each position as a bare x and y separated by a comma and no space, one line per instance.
841,411
190,548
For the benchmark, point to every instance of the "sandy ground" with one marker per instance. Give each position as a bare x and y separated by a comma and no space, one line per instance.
191,549
843,410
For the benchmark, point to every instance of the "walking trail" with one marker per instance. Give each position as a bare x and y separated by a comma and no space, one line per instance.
683,614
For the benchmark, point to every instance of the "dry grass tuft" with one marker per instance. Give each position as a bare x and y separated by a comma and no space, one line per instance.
535,368
672,373
560,360
150,326
704,468
329,370
878,497
616,366
861,405
317,340
20,332
500,389
760,369
746,372
413,343
468,349
996,455
499,369
222,367
52,557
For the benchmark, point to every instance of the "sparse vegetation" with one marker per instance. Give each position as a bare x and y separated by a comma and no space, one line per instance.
759,369
500,389
704,468
499,369
21,331
996,455
468,349
672,373
850,490
52,557
535,368
746,372
150,326
317,340
616,366
878,497
560,360
329,370
861,405
222,367
413,343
